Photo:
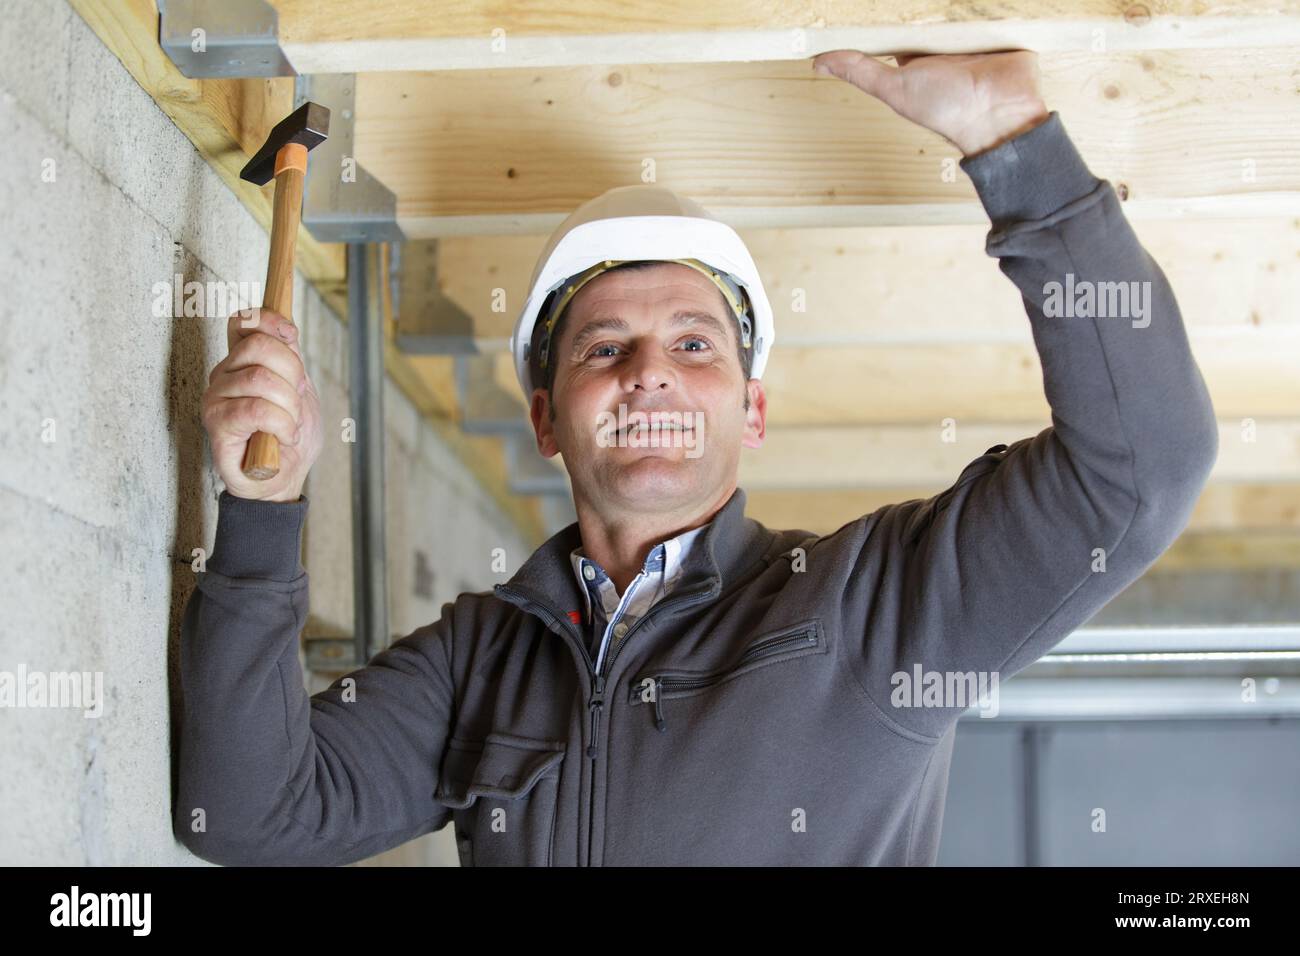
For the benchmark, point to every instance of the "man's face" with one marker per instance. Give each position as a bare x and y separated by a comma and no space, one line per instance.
652,347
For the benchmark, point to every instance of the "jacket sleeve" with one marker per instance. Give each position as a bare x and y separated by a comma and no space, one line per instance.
269,776
1032,540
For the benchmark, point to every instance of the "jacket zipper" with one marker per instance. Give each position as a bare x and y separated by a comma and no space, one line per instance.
688,597
598,679
767,648
598,700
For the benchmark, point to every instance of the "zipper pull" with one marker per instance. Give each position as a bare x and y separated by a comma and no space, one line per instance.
660,723
597,702
595,707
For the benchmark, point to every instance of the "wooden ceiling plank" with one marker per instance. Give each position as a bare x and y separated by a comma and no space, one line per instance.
874,456
356,36
1255,378
1221,507
875,286
1200,134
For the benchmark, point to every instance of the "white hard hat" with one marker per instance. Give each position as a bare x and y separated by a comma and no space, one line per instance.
636,223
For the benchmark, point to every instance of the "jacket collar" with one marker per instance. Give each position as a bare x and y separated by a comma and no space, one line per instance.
729,544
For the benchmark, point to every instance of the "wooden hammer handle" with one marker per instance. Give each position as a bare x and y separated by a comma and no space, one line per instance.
262,459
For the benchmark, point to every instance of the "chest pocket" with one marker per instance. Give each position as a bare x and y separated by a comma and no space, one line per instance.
504,790
653,688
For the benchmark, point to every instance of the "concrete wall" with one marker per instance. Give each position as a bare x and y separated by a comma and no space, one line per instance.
105,481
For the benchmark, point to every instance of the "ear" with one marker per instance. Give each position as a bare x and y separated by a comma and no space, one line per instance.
543,427
756,416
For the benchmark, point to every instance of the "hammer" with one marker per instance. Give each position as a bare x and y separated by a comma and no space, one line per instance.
284,156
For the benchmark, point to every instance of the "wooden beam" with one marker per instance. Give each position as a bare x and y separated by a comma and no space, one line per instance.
1233,550
874,286
1181,134
918,385
1221,507
874,322
879,456
356,36
1196,549
857,458
1203,597
1253,378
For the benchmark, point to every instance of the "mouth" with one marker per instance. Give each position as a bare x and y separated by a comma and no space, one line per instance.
636,429
646,428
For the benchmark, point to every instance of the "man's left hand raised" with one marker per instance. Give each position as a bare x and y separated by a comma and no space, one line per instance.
974,100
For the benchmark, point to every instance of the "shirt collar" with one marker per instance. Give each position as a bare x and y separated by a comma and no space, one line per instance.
544,584
665,558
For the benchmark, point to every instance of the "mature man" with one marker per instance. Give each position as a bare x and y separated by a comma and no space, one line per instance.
667,681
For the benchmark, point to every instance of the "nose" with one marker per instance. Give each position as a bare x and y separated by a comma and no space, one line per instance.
649,369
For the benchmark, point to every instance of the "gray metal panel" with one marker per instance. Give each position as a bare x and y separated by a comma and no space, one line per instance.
361,209
1025,698
1184,793
366,401
1095,639
1211,793
236,38
982,818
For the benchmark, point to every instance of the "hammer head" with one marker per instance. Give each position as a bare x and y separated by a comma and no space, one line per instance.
309,125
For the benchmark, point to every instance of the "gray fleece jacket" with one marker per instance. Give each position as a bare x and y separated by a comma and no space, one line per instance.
757,714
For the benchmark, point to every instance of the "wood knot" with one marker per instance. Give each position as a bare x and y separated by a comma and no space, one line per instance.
1137,15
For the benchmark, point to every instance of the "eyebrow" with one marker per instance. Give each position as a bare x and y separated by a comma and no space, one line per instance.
614,322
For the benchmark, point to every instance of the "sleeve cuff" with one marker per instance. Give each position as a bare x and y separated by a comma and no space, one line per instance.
258,539
1030,176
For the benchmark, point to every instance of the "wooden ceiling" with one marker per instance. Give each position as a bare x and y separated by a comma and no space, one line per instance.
492,121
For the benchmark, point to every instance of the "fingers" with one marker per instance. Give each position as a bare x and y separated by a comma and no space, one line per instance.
258,381
237,419
247,321
260,385
865,72
261,349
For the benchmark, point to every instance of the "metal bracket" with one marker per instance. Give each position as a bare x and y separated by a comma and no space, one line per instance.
428,322
209,39
342,201
486,408
530,473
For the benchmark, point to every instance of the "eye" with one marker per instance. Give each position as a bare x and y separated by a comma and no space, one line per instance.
702,341
596,352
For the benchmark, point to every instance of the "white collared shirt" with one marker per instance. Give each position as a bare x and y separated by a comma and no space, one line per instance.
615,614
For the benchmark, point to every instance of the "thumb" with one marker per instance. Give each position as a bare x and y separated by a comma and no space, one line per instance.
865,72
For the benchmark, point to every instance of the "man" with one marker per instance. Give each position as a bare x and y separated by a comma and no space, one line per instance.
667,681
